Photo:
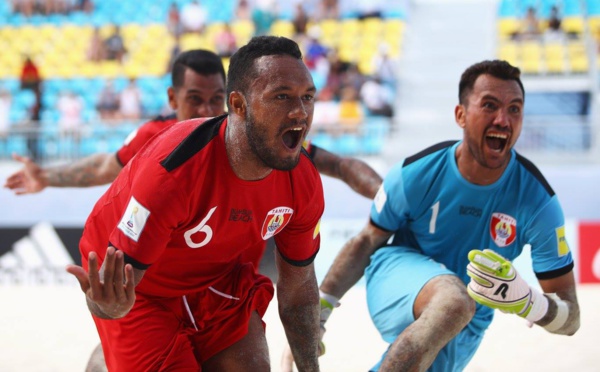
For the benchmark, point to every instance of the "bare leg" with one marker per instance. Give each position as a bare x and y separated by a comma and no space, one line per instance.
96,362
249,354
442,309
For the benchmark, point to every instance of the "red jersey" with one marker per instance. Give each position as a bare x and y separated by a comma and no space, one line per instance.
179,211
134,142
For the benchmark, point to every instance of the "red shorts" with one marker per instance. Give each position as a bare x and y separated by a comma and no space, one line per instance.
158,334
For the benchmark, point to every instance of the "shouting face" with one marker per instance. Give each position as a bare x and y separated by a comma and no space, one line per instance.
279,111
492,118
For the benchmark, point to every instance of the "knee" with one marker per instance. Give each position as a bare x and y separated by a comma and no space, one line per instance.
447,295
460,306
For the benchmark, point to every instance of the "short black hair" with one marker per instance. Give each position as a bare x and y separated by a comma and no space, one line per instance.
496,68
241,65
203,62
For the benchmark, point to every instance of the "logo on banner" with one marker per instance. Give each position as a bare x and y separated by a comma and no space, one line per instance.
275,221
503,229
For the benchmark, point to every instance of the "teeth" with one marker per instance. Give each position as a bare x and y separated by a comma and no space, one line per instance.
495,135
297,129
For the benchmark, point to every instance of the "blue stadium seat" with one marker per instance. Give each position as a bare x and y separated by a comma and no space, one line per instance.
347,144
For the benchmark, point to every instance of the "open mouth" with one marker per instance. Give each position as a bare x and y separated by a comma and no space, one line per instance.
496,141
293,137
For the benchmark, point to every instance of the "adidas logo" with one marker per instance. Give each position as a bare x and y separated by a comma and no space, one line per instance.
38,258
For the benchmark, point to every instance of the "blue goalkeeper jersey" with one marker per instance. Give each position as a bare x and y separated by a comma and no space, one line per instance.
431,207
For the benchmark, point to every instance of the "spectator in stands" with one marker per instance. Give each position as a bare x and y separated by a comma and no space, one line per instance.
369,8
24,7
327,9
300,21
115,46
385,66
174,20
30,75
554,31
86,6
193,17
96,51
377,98
335,77
263,16
531,25
352,77
108,102
225,42
130,102
33,124
326,115
175,51
243,11
5,105
70,109
351,110
314,50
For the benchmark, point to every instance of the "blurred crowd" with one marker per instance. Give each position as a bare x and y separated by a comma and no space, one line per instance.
345,98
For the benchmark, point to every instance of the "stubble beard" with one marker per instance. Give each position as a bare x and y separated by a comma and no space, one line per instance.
257,139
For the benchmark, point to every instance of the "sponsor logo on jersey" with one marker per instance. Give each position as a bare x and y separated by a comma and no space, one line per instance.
563,246
243,215
470,211
276,220
503,229
134,219
317,230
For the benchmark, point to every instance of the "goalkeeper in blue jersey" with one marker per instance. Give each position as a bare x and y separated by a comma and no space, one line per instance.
459,212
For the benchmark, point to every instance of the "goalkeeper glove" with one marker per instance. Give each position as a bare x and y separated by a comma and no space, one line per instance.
495,283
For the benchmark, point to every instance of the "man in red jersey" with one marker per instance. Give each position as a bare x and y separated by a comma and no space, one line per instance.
198,90
163,268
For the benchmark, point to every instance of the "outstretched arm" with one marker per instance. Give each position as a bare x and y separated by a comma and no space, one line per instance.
350,264
298,299
356,173
97,169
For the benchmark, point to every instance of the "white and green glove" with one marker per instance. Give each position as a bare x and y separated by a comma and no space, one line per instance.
496,284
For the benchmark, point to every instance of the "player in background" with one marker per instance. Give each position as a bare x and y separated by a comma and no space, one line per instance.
198,90
459,212
163,272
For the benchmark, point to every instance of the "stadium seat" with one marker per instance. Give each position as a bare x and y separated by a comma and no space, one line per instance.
554,56
573,25
531,57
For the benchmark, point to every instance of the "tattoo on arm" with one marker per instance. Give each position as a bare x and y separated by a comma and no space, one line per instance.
93,170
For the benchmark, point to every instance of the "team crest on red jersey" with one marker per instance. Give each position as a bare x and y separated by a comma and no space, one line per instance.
503,229
275,221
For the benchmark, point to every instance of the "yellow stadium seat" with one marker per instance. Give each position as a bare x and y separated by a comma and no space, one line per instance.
509,51
575,25
508,27
350,27
373,27
531,57
282,27
578,58
329,27
554,55
594,27
243,30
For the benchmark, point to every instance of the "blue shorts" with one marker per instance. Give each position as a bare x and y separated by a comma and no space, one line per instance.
395,277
